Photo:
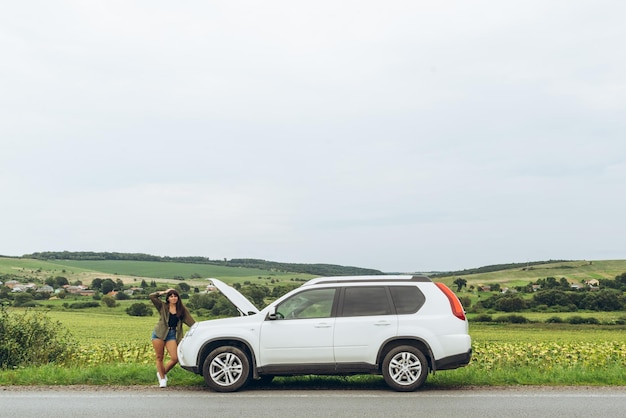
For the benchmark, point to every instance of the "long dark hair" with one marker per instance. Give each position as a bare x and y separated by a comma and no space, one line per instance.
180,309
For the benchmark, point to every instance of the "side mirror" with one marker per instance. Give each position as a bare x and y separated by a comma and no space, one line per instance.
271,315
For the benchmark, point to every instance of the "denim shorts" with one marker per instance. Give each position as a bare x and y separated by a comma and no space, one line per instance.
171,335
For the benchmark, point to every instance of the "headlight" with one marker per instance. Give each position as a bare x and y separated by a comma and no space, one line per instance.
191,330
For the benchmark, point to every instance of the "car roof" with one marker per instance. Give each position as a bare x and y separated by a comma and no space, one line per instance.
366,279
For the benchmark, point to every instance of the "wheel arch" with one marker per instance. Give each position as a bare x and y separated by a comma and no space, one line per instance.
241,344
411,341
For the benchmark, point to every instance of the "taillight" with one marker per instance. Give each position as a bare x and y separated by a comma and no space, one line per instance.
455,303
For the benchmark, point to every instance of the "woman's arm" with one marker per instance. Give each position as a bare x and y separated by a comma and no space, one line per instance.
154,297
187,318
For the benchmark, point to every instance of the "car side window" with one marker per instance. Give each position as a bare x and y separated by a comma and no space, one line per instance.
365,301
317,303
407,299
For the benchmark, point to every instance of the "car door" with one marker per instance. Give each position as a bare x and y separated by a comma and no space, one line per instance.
365,320
303,331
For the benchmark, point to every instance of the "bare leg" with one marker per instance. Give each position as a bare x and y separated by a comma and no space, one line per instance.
159,346
171,346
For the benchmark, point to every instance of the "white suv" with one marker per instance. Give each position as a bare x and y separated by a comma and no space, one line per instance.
399,326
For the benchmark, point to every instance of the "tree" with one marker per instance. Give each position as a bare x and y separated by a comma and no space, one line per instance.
96,284
256,294
604,300
511,303
551,298
109,301
21,299
202,301
139,309
108,286
61,281
223,307
460,282
121,296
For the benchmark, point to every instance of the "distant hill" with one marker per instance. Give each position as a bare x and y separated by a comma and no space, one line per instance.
518,274
313,269
496,267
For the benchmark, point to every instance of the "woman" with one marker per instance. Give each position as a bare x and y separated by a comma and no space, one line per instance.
169,330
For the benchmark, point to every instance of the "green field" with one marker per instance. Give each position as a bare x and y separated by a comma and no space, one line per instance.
114,348
102,327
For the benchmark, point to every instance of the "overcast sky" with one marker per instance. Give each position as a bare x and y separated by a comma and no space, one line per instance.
405,136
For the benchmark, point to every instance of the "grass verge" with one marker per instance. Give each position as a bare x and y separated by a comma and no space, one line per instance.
143,375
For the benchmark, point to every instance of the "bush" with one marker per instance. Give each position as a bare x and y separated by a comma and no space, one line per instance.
554,320
510,303
466,301
576,320
83,305
514,319
108,301
32,339
121,296
202,313
483,318
139,309
22,300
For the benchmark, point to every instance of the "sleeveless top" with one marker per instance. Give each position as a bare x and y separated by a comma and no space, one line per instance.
172,321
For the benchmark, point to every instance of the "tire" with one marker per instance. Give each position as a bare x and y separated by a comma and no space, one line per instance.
405,368
226,369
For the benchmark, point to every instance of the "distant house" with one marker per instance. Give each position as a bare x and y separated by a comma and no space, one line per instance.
592,283
79,290
74,289
11,283
87,292
20,287
45,289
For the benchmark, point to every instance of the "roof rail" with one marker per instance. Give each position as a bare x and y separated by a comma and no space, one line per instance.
366,279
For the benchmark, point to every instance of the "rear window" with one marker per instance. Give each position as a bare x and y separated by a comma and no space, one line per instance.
407,299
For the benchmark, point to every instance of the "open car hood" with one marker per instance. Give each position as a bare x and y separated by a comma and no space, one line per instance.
244,306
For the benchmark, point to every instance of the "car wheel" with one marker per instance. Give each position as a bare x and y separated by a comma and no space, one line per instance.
405,368
226,369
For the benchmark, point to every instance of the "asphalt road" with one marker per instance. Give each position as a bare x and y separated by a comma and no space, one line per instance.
96,402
